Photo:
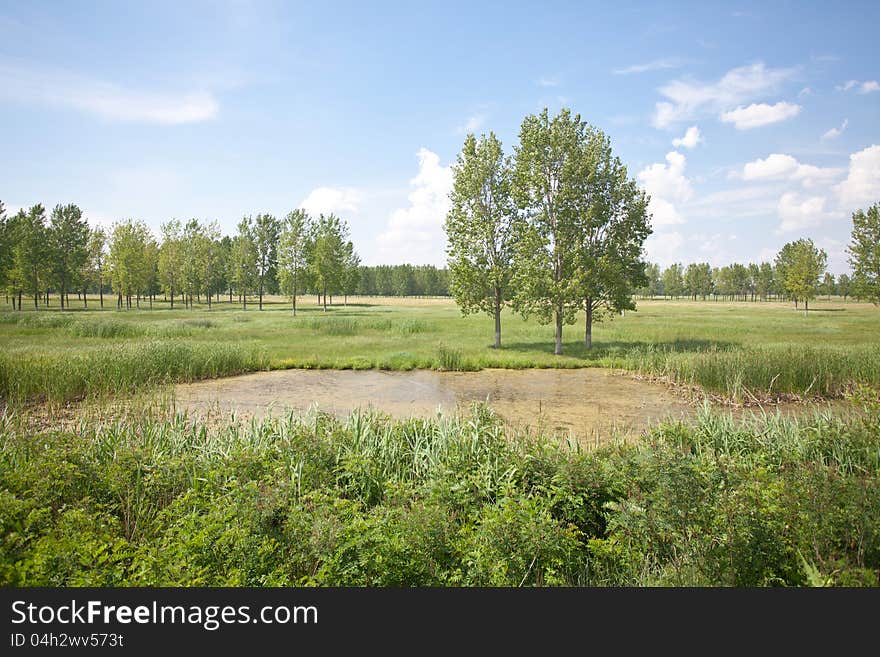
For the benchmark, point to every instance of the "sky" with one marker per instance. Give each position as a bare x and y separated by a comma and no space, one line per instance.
749,124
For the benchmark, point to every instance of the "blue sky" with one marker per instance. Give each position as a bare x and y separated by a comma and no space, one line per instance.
751,124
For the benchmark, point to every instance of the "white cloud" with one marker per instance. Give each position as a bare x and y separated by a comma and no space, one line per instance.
806,91
760,114
667,185
656,65
109,101
664,248
324,200
687,99
798,213
549,81
415,233
862,184
866,87
691,138
834,133
472,123
778,166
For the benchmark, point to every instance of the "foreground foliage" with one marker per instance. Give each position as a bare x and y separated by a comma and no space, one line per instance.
311,500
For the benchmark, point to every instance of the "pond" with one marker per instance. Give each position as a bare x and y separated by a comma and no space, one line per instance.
590,403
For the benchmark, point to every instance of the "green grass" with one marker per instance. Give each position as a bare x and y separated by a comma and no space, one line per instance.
147,500
734,350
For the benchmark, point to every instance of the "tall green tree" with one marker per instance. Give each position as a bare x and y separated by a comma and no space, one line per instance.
68,246
266,242
96,263
327,259
7,240
293,245
171,258
844,286
673,280
548,170
30,251
828,286
864,253
480,229
764,280
802,265
654,286
127,260
243,270
612,225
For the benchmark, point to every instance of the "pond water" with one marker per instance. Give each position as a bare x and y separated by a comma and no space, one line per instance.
591,404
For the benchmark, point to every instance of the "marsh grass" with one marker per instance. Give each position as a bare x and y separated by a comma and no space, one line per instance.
120,368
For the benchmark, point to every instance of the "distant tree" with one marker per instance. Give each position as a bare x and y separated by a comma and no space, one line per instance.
864,253
67,248
126,261
673,281
698,279
243,270
764,280
802,265
192,241
844,286
480,229
351,271
7,240
654,286
171,259
96,262
551,161
328,252
828,286
292,249
29,252
265,234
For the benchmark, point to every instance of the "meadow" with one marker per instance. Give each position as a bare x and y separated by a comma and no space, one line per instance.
130,491
738,352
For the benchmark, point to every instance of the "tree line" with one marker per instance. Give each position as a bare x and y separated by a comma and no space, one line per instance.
298,254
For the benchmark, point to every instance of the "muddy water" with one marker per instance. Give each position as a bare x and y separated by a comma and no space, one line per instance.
589,403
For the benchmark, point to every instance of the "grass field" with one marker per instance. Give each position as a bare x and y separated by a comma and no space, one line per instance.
734,350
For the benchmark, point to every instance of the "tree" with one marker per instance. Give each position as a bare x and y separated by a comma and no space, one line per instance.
191,242
209,253
243,270
864,253
68,243
328,253
654,285
351,271
764,280
292,248
612,226
7,240
802,264
843,286
480,229
29,251
549,164
828,287
170,259
97,260
127,262
266,242
698,280
673,281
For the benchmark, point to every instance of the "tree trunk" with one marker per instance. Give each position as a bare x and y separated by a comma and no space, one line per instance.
806,307
325,300
19,299
261,294
62,295
588,335
85,298
101,292
498,318
172,298
558,349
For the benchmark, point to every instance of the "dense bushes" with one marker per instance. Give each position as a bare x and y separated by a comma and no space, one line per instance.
309,500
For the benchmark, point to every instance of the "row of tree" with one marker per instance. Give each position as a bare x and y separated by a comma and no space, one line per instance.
62,253
736,282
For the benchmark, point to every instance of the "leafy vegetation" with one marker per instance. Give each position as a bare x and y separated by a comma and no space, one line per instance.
311,500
